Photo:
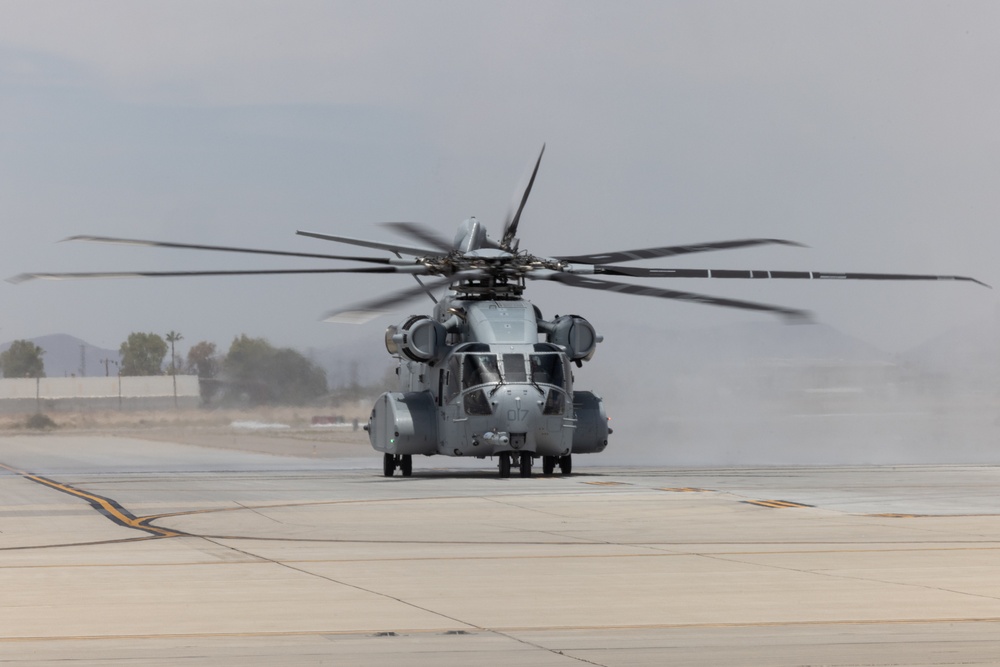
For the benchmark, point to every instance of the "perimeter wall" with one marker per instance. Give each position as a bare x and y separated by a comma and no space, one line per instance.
97,393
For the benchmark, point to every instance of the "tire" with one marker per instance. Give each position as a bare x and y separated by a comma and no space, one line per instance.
566,464
526,461
504,465
548,464
388,464
406,465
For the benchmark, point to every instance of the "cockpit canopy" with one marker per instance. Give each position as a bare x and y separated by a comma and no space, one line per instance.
545,365
474,365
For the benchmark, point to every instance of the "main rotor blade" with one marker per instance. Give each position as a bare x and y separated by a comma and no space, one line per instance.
791,314
219,248
421,233
514,216
367,310
391,247
671,251
638,272
24,277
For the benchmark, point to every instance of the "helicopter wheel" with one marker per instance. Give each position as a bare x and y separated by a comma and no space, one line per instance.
548,464
505,464
406,465
566,464
388,464
526,461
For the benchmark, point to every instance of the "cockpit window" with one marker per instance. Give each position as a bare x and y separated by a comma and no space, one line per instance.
480,369
513,368
548,369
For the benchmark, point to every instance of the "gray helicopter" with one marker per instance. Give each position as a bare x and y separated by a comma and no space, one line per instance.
485,375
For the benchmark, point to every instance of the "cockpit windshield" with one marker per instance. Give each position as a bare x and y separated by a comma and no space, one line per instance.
513,368
480,369
548,369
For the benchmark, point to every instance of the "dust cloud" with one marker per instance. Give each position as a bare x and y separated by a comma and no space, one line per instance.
770,394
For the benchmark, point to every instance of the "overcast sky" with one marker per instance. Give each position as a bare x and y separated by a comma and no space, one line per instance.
867,130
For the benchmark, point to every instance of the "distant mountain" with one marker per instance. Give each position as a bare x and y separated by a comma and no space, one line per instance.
67,355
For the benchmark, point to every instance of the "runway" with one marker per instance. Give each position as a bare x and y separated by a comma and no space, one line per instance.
129,551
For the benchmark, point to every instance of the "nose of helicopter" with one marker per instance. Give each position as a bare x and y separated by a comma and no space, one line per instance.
517,410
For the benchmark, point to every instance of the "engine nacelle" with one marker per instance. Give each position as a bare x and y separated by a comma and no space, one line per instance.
404,423
576,335
418,339
591,434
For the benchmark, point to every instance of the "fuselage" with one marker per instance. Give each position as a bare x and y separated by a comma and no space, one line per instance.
492,385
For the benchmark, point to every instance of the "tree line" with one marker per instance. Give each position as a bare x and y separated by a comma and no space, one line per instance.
252,371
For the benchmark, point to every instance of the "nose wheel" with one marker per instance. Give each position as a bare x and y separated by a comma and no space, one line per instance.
522,461
392,461
504,465
526,461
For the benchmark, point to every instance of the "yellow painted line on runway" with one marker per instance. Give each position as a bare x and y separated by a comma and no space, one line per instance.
608,483
105,506
775,504
685,489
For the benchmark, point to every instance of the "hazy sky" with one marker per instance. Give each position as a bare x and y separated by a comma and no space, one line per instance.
867,130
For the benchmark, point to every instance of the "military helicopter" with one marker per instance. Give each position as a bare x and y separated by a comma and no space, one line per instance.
486,375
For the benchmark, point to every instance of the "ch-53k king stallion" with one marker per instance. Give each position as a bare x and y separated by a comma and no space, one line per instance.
485,374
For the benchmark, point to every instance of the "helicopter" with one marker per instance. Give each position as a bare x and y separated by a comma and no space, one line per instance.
485,374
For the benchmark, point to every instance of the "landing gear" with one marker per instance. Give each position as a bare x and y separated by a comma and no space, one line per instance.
565,464
392,461
526,461
522,460
504,465
548,464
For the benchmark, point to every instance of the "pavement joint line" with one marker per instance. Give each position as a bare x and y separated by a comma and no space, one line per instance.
308,561
467,624
125,540
346,501
502,630
106,506
892,515
833,574
349,585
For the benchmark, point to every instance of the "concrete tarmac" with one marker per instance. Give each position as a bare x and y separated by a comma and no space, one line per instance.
119,550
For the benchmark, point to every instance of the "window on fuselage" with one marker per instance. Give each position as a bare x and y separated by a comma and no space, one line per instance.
480,369
513,368
451,380
548,369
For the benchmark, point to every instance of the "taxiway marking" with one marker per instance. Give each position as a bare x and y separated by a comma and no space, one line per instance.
775,504
106,506
685,489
